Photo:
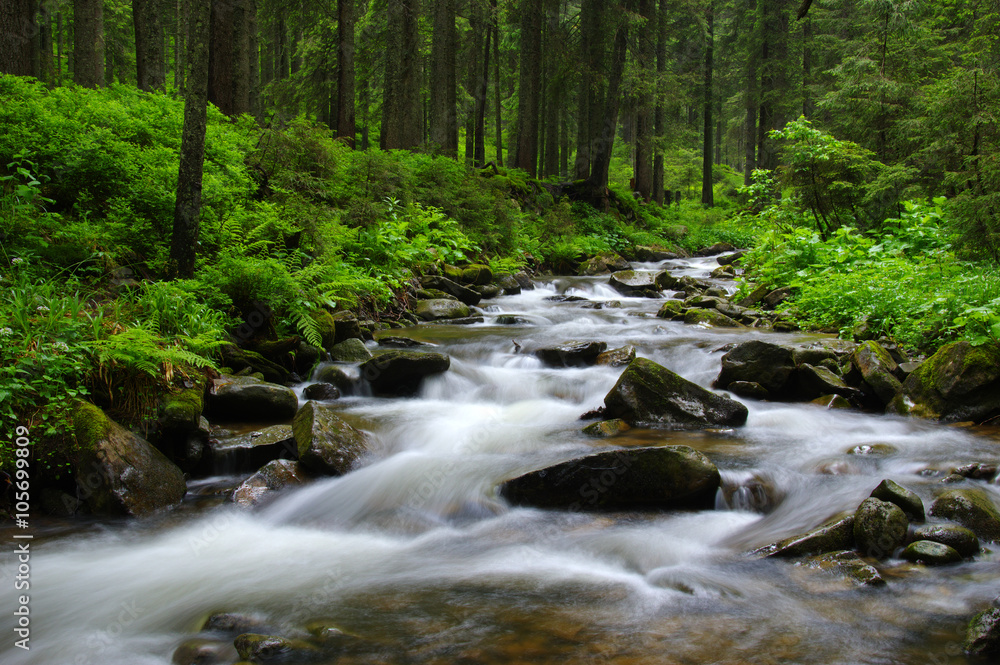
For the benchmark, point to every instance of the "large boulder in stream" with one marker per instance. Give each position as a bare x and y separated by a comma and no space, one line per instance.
438,309
400,373
326,444
463,293
119,473
644,284
879,528
960,382
670,477
982,639
572,354
604,262
250,399
766,364
877,369
835,534
649,393
972,508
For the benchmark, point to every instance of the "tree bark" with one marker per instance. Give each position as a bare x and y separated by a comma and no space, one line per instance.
497,85
643,168
150,61
529,88
707,192
660,113
752,103
591,90
443,90
17,25
346,127
482,92
401,108
229,56
88,43
187,208
604,145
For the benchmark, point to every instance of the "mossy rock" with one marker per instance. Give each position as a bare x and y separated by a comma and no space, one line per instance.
647,392
850,566
347,327
906,499
749,389
450,286
812,382
435,310
241,360
962,540
272,477
572,354
832,402
982,639
400,373
508,284
972,508
249,451
879,528
607,428
672,310
326,444
877,368
619,357
670,477
252,400
203,651
604,262
959,383
836,534
641,284
477,275
327,326
930,553
767,364
710,317
181,411
272,649
350,350
119,473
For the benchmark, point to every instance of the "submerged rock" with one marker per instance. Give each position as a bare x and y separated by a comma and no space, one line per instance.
644,284
835,534
273,476
572,354
849,565
930,553
962,540
650,393
960,382
972,508
607,428
668,477
325,443
401,372
119,473
250,399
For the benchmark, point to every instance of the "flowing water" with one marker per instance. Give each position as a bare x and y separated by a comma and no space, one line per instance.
415,551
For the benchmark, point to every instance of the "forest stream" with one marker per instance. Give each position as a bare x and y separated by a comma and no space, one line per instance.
417,554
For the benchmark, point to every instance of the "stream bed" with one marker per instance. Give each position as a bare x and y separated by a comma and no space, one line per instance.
416,553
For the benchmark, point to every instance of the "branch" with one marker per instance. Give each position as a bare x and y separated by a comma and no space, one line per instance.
803,9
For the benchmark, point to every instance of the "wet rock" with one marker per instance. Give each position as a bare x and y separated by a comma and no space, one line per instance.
488,291
703,301
813,382
670,477
749,389
391,342
730,259
401,372
894,493
959,382
511,320
649,254
724,272
247,452
877,368
433,294
971,508
572,354
757,493
982,639
650,393
873,450
835,534
508,285
715,250
607,428
461,321
811,356
617,357
930,553
755,361
271,648
240,360
776,297
959,538
566,298
849,565
831,402
338,376
879,528
604,262
710,317
755,296
976,471
644,284
672,310
246,398
477,274
119,473
180,412
235,623
524,281
326,444
350,351
306,358
201,651
347,327
272,477
321,391
465,295
434,310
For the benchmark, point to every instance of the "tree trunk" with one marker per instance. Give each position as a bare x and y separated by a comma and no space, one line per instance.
88,43
529,88
591,91
774,80
150,62
660,113
497,85
401,108
443,91
346,128
187,208
604,145
752,104
229,56
482,91
553,96
643,169
707,193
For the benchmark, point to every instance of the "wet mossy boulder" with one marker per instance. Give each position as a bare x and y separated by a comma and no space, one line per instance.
240,360
326,444
748,389
649,393
321,391
982,639
274,476
672,310
906,499
930,553
327,327
246,452
341,376
959,383
347,327
962,540
572,354
850,566
400,373
812,382
835,534
350,351
607,428
972,508
477,274
619,357
641,284
710,317
764,363
604,262
877,369
119,473
436,310
670,477
879,528
249,399
464,294
508,285
654,253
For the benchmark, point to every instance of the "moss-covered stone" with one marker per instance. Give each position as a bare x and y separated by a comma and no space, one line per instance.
607,428
347,327
673,310
326,444
251,400
450,286
982,639
401,372
650,393
435,310
272,649
962,540
710,317
835,534
972,508
960,382
119,473
241,360
761,362
930,553
350,350
641,284
327,327
748,389
477,274
619,357
603,263
668,477
849,565
906,499
812,382
181,411
832,402
572,353
508,285
203,651
879,528
272,477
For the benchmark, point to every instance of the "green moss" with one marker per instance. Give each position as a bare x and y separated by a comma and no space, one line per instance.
90,426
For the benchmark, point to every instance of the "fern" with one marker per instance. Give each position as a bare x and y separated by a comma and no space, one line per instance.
300,312
141,349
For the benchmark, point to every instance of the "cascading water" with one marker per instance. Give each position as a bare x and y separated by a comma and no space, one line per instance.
415,552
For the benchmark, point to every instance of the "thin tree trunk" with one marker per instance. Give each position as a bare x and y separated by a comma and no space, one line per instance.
183,244
529,88
643,169
497,87
707,193
482,91
346,128
591,90
660,120
604,145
